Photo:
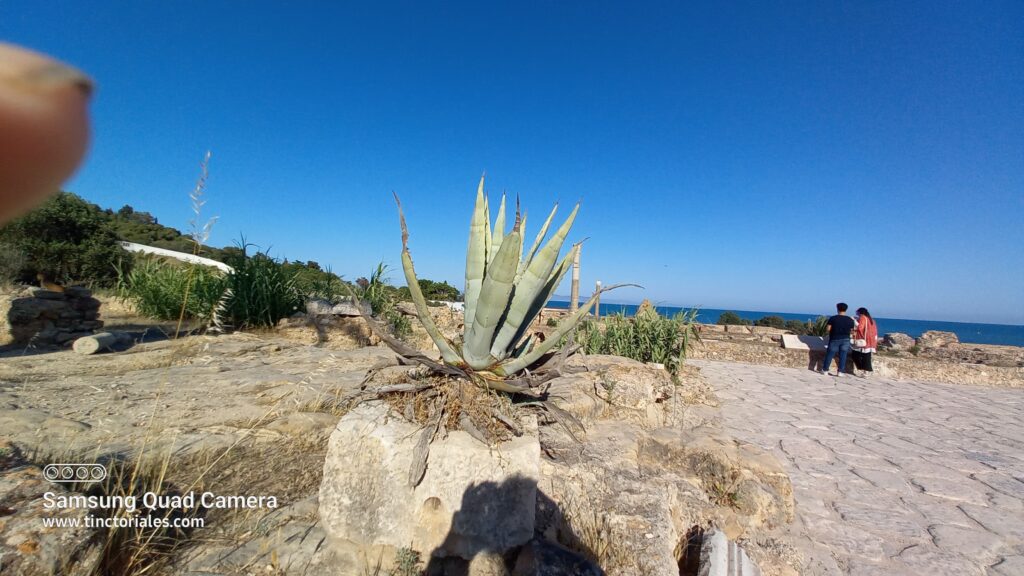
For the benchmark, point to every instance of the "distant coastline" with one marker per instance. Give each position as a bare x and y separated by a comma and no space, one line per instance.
967,332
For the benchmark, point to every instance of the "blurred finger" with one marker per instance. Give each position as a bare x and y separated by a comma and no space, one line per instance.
44,127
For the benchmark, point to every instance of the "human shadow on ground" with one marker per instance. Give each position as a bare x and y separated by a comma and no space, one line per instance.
495,519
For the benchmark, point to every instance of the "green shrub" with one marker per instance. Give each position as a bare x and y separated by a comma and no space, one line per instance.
158,289
647,337
68,240
258,293
818,326
12,261
552,322
262,290
797,326
771,322
732,318
314,282
383,299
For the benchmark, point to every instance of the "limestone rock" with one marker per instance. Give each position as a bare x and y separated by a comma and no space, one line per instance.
646,310
345,309
28,547
937,339
633,496
897,342
317,306
407,308
768,330
612,385
471,499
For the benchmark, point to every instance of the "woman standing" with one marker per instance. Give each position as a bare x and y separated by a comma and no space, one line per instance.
865,338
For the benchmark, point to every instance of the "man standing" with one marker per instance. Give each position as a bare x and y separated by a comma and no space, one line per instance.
839,328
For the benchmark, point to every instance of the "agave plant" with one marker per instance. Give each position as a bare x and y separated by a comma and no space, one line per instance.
505,290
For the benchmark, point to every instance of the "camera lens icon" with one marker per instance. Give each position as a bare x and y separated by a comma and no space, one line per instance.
74,472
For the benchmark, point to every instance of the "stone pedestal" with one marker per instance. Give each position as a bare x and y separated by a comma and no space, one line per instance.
472,499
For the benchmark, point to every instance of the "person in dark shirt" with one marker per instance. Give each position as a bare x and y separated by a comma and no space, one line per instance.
839,328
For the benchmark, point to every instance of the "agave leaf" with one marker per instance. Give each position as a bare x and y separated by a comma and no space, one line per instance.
502,385
498,233
524,347
494,300
422,311
536,241
549,290
487,235
522,232
476,254
529,286
517,364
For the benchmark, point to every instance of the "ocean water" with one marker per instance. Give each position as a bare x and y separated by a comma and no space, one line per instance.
967,332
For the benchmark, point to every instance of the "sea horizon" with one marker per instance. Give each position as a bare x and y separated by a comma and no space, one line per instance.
967,332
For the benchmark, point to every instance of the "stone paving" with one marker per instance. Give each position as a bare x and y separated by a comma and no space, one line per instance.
890,477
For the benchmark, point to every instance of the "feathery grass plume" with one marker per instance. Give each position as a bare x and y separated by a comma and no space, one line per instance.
200,234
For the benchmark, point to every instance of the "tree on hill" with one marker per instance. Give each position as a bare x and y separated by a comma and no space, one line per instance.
436,291
68,240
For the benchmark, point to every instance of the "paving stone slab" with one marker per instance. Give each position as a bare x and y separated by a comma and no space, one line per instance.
929,560
1007,566
875,463
958,490
967,541
1008,525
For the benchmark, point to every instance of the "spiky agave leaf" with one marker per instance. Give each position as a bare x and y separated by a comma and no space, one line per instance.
476,254
536,241
494,299
528,287
498,232
448,352
546,294
512,366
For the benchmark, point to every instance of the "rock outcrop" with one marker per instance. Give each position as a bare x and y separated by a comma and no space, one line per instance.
896,342
937,339
628,493
472,499
45,318
29,547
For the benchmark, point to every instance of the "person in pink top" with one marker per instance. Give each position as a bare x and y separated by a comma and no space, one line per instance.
865,338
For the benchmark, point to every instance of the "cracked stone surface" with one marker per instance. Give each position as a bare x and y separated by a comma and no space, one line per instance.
890,477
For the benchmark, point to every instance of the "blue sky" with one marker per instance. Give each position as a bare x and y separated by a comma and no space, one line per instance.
734,156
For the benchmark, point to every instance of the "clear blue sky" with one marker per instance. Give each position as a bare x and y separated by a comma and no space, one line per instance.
749,157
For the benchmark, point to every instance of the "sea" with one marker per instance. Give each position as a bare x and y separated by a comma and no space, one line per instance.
1002,334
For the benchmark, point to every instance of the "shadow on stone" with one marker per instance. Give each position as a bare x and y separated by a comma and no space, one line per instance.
493,504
